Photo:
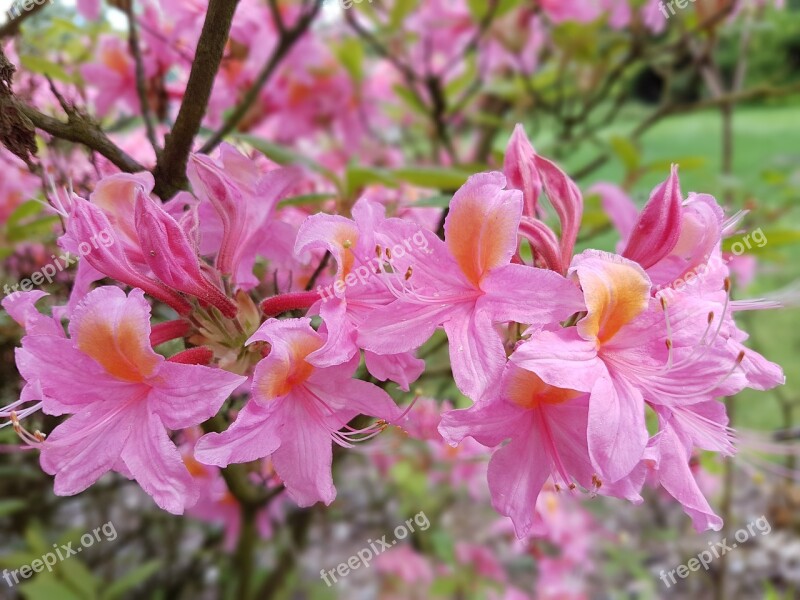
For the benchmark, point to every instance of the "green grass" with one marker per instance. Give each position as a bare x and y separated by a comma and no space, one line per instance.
766,140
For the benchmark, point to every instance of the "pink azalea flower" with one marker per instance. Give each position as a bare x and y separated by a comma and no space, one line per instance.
21,307
583,11
467,284
124,234
359,286
531,173
296,411
671,237
16,185
113,77
547,426
407,564
243,215
481,559
123,398
631,349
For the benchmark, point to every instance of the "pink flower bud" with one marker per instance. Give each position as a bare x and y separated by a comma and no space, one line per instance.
521,172
172,258
88,222
658,227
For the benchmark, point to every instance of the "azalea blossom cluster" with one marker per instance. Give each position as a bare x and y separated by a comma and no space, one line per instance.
582,374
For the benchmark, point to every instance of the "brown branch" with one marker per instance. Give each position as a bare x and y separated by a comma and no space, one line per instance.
141,84
11,27
81,130
287,40
756,93
170,171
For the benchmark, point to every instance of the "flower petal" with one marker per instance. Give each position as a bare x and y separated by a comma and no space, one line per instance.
477,355
617,431
254,434
156,464
186,395
481,228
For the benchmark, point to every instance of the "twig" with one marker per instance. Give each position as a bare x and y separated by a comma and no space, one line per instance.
287,40
170,171
141,84
318,271
81,130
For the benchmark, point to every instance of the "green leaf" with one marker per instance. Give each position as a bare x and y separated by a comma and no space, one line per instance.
351,55
305,199
44,586
16,559
79,578
35,538
10,507
33,230
411,99
285,156
400,10
24,211
761,241
131,579
627,152
22,226
438,201
446,587
478,8
359,177
433,177
37,64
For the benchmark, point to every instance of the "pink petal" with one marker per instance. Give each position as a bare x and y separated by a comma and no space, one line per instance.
305,458
520,170
69,379
619,207
156,464
488,422
477,355
566,198
617,431
187,395
352,397
22,308
253,435
562,359
526,295
516,476
86,446
403,368
676,477
481,228
658,227
401,326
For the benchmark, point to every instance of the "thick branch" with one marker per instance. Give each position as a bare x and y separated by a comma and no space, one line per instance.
170,171
81,131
